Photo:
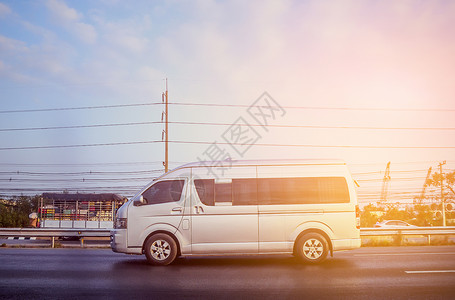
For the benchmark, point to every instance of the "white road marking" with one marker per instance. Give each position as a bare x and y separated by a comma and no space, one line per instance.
407,254
430,271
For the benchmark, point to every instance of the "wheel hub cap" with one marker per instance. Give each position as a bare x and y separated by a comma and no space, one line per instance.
313,249
160,249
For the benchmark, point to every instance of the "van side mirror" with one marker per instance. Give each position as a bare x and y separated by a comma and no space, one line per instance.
139,201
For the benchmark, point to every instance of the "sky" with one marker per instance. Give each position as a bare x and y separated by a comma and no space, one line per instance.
369,82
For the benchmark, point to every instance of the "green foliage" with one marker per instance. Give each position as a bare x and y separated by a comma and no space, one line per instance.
369,216
423,215
447,179
394,213
14,212
419,214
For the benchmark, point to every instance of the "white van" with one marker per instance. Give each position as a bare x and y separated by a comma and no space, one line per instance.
303,207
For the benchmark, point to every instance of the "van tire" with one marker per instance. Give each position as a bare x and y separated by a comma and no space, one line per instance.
312,248
160,249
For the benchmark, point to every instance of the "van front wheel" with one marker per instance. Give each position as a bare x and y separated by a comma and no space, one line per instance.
160,249
312,248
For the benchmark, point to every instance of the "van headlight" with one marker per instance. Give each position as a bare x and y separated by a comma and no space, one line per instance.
120,223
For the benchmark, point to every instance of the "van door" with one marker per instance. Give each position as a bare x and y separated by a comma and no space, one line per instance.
291,196
163,209
224,216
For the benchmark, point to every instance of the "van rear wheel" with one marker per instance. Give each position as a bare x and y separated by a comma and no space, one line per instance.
160,249
312,248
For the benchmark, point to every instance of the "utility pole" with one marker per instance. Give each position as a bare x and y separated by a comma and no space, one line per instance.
442,194
166,131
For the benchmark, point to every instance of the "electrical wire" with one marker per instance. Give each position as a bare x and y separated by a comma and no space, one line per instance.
123,173
226,143
102,176
108,164
77,108
225,124
316,107
229,105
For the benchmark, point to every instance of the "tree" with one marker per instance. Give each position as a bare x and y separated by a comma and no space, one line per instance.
423,215
447,181
15,211
393,212
369,215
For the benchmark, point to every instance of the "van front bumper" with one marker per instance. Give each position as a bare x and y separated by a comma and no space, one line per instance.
119,242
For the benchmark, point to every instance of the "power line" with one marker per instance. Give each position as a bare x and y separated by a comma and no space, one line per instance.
394,179
160,162
225,143
79,146
381,172
224,124
80,173
360,177
76,179
398,163
89,179
317,126
80,126
76,108
318,107
228,105
110,164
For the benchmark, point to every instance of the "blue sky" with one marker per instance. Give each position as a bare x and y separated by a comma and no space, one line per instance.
362,55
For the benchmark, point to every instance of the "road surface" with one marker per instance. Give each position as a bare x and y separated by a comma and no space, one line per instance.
426,272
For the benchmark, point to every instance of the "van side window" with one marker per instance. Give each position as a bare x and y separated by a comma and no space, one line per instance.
244,191
303,190
333,190
164,191
238,192
223,193
205,190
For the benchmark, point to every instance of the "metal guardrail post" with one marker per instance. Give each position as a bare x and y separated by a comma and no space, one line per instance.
53,241
398,238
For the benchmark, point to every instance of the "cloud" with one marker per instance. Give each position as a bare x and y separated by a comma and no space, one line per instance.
85,32
359,49
11,46
69,18
126,37
62,11
34,63
4,9
355,52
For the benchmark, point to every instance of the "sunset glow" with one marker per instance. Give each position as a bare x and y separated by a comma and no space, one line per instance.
364,81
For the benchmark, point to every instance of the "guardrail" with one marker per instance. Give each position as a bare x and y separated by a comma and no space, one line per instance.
55,232
398,233
447,230
94,232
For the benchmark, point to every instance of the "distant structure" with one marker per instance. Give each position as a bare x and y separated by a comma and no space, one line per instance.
385,185
78,210
421,197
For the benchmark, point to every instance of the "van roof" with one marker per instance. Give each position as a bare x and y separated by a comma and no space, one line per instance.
266,162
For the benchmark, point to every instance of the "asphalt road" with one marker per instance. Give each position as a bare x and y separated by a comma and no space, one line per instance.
426,272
